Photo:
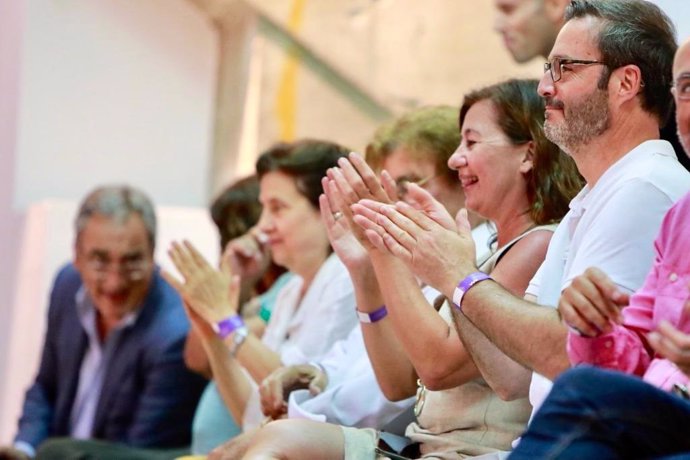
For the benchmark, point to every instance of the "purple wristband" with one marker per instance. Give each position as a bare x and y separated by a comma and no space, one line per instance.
465,285
374,316
229,325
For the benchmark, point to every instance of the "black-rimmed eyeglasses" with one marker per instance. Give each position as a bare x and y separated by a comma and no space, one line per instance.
556,65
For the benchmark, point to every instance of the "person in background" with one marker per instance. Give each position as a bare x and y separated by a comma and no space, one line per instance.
112,364
529,27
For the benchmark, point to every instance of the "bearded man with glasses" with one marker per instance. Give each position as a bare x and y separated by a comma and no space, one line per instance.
600,412
112,366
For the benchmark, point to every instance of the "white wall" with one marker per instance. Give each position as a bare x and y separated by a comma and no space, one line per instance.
11,21
115,91
679,12
95,91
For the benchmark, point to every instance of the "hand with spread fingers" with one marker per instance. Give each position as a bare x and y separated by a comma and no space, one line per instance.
336,216
352,181
417,237
276,388
672,343
592,303
356,181
211,293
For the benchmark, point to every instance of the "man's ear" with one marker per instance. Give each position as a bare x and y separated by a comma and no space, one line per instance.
527,162
628,80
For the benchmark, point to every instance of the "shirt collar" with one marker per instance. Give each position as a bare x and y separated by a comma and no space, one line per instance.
621,167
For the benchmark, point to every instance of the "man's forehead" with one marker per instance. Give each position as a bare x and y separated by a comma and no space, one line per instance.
107,233
577,39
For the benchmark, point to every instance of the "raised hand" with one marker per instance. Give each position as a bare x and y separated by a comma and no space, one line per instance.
352,181
437,254
337,218
276,388
592,303
357,181
212,294
424,202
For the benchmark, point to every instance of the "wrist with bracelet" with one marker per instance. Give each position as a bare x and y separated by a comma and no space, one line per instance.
234,325
373,317
466,284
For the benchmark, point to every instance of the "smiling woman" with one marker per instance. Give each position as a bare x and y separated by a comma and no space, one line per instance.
510,171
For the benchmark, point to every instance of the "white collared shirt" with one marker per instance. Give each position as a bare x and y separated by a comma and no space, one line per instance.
611,226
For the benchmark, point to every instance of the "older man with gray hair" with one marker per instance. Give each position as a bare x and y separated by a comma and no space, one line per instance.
112,366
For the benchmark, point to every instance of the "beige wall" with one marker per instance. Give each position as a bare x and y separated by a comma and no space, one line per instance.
396,54
404,53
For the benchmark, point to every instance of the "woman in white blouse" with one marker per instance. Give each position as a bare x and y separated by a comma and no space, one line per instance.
312,311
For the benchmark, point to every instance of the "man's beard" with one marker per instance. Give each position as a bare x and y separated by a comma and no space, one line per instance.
582,121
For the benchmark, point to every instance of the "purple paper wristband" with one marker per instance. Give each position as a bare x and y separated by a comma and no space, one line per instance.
465,285
374,316
229,325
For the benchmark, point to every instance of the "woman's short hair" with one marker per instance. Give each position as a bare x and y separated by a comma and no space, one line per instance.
425,133
553,180
236,209
306,161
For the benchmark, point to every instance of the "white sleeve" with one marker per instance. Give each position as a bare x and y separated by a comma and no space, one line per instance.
356,400
336,361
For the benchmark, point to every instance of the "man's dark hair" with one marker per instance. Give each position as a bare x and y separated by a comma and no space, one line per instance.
635,32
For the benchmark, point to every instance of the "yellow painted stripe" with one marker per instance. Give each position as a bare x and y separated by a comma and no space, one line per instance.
286,104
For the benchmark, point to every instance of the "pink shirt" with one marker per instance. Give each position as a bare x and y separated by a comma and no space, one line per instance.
663,296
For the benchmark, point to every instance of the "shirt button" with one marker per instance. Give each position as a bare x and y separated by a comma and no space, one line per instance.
608,344
673,277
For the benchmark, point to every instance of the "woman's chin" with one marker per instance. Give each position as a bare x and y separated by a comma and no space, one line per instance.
280,258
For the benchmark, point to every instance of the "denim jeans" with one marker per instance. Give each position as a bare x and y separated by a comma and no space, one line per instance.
599,414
